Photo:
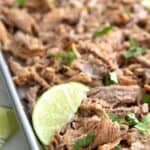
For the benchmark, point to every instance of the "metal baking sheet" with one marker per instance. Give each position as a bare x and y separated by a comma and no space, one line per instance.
18,106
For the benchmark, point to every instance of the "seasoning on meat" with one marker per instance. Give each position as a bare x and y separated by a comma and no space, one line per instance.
102,43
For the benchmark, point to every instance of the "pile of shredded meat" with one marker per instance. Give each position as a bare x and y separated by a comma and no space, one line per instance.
57,41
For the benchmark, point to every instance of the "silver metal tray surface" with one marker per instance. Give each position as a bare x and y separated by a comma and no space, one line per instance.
18,105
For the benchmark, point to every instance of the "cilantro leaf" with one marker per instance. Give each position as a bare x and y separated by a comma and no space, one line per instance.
131,118
128,54
113,116
146,119
85,141
69,56
146,98
102,31
143,128
111,78
133,43
116,118
144,125
134,50
20,2
118,147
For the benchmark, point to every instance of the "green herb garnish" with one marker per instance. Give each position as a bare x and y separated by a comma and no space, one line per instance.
144,125
146,119
102,31
111,78
134,50
85,141
146,98
116,118
113,117
118,147
69,56
20,2
132,120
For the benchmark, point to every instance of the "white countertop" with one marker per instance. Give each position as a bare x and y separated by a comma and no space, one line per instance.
18,141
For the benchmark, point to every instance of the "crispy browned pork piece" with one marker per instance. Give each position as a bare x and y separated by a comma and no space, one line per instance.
48,42
24,46
117,99
19,18
3,33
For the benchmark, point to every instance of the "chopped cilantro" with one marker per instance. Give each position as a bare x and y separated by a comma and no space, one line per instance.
85,141
69,56
143,128
116,118
111,78
118,147
134,50
132,120
146,98
144,125
102,31
146,119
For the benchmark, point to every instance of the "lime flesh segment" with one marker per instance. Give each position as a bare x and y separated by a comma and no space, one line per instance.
55,108
8,124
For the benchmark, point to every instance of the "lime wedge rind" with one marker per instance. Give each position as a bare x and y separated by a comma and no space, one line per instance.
2,142
8,124
55,108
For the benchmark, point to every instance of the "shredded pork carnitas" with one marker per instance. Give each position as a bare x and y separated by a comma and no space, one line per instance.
57,41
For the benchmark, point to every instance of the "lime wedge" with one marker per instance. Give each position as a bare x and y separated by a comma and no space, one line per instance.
8,124
55,108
